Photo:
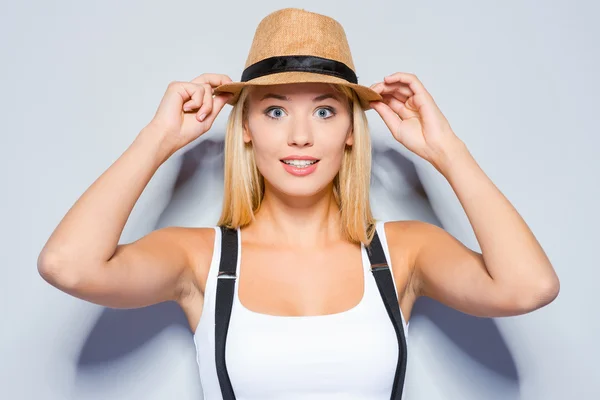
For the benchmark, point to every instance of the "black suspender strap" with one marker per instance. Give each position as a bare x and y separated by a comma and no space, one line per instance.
224,301
226,289
385,284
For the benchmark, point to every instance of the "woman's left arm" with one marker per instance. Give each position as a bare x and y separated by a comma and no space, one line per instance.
512,275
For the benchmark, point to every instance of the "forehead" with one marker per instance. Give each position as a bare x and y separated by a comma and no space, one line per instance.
291,91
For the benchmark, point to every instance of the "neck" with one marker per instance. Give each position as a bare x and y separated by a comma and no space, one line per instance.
298,222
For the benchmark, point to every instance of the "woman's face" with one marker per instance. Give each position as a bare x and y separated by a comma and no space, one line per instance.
291,122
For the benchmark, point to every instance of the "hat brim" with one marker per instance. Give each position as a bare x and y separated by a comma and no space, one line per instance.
364,93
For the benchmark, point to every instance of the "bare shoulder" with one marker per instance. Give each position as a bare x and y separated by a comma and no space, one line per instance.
413,238
403,244
198,244
404,240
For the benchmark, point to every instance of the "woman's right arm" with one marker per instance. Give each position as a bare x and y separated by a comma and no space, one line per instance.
82,257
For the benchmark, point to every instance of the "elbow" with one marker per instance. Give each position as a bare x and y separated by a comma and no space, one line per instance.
54,270
550,290
540,295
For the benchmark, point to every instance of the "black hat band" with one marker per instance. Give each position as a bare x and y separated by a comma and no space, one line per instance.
319,65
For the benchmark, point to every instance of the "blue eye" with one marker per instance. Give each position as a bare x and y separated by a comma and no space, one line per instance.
279,112
274,109
331,110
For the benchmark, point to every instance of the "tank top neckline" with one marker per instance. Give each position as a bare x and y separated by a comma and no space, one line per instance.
287,318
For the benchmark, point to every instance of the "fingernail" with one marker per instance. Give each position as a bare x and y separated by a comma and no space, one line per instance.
202,116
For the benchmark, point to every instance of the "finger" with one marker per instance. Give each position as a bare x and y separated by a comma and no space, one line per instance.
399,107
195,94
195,101
391,119
185,91
410,79
213,80
207,102
399,90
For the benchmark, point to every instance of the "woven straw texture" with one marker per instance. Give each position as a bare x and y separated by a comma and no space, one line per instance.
294,31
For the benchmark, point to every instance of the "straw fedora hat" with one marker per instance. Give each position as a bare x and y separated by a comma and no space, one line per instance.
293,45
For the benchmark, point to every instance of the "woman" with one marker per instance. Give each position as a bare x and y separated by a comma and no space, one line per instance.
296,211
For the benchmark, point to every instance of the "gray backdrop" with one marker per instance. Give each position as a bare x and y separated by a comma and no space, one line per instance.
518,81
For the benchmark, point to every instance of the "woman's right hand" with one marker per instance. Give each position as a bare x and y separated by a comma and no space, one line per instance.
188,109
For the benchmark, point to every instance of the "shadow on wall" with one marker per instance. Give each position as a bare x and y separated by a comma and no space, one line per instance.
396,193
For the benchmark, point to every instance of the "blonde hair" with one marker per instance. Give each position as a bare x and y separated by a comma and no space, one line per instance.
244,184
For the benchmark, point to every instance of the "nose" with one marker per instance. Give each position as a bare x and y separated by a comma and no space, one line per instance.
300,134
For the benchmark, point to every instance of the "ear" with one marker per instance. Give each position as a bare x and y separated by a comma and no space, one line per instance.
350,137
246,135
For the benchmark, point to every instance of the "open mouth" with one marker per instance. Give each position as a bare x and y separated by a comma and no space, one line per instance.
300,163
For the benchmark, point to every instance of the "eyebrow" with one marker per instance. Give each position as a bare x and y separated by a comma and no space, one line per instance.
285,98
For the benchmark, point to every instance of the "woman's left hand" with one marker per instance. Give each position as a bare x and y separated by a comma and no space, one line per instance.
414,119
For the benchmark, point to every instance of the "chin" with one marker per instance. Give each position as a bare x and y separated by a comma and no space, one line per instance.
294,188
305,191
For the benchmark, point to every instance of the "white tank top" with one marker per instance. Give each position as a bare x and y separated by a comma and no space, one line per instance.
349,355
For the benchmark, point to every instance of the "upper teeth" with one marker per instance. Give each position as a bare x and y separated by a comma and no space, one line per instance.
299,163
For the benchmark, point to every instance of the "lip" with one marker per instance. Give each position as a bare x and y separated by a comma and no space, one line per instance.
294,157
300,171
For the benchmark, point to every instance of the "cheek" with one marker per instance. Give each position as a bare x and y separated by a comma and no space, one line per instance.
264,150
335,139
265,141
